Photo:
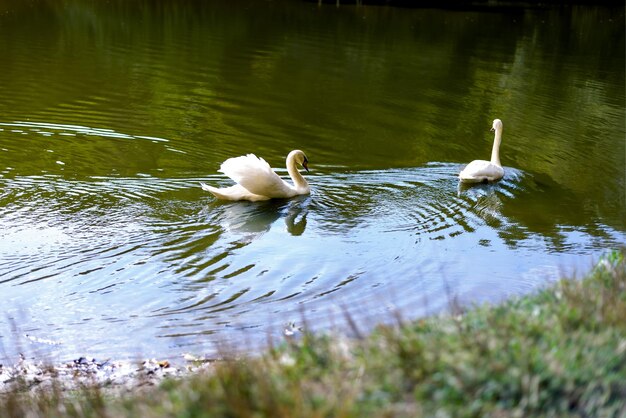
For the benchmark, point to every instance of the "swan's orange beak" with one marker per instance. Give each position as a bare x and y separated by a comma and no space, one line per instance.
305,164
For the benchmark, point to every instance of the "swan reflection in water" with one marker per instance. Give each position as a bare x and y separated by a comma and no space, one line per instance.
254,219
488,199
295,219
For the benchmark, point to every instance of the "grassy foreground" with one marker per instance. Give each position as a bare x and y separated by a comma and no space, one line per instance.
560,352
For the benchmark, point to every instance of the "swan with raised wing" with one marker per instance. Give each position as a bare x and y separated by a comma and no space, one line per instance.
257,181
479,171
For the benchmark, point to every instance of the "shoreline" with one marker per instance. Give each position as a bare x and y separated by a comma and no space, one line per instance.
29,374
557,352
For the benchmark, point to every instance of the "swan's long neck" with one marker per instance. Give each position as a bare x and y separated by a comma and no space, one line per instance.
298,180
495,151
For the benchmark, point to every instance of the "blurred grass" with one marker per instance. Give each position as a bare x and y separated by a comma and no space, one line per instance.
560,352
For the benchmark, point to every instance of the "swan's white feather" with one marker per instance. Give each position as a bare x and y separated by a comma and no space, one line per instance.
480,170
255,175
257,181
236,192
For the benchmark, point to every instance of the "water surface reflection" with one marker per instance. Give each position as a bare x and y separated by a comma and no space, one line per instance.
112,113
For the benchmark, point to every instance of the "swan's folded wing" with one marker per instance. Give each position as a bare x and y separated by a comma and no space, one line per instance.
256,175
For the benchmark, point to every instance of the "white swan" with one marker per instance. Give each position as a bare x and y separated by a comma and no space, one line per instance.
479,171
257,181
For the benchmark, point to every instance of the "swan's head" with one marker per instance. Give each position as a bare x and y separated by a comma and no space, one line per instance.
497,125
299,157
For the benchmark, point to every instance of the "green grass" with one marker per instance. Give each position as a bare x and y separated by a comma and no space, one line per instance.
557,353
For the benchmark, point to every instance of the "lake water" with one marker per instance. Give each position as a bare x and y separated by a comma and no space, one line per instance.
111,113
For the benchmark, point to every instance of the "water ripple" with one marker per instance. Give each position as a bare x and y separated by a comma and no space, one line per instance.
194,266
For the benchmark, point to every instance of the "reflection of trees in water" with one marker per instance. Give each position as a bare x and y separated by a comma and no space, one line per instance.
535,208
396,86
545,209
572,112
213,76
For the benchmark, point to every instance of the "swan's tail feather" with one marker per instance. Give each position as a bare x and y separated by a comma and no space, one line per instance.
236,192
213,190
207,187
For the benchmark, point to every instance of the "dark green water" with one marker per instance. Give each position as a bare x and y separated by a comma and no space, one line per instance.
112,112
